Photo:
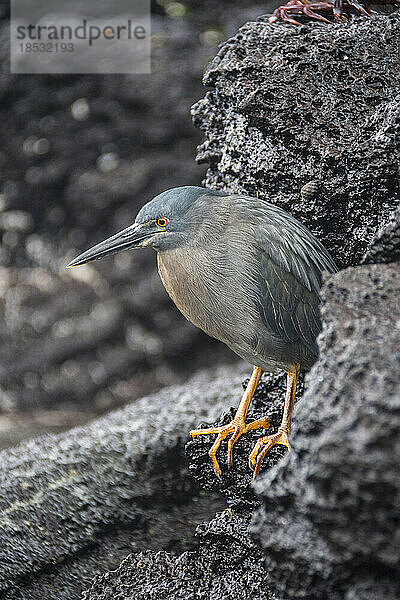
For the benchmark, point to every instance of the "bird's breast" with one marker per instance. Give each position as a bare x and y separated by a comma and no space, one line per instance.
187,286
205,290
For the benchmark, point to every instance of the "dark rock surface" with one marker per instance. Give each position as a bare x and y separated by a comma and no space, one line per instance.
75,505
227,565
330,525
385,247
318,102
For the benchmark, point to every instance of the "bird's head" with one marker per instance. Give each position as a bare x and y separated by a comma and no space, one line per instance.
166,222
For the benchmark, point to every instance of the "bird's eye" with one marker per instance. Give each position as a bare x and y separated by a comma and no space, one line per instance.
162,222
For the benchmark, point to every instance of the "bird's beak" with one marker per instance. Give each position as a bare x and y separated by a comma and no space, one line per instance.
133,236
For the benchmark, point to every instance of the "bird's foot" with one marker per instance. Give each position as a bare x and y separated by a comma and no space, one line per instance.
268,441
237,428
340,10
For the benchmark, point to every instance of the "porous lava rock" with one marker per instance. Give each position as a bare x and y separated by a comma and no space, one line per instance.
289,105
385,246
227,564
75,505
330,526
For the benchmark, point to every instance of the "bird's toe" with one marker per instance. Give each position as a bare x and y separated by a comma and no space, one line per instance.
263,446
237,429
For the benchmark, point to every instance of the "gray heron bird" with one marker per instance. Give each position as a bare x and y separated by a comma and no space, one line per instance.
245,272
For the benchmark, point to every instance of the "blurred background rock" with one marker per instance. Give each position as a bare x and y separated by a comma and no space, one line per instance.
79,155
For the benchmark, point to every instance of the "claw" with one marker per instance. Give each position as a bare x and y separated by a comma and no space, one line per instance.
237,428
257,457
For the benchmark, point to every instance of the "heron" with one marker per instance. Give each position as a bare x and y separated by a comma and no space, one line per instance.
248,274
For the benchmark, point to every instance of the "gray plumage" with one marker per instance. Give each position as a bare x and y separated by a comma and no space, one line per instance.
239,268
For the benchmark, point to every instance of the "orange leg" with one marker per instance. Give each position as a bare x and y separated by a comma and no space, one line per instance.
237,426
281,436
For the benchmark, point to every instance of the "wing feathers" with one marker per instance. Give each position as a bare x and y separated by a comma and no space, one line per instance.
292,261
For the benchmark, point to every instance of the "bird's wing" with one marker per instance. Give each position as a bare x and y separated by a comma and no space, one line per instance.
292,261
